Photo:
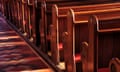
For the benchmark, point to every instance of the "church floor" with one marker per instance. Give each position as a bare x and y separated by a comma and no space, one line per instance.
15,54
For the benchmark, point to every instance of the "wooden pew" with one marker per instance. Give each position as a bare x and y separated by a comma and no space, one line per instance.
12,11
59,17
45,21
2,7
19,15
5,7
24,18
46,13
31,21
45,58
103,35
114,65
28,23
26,28
77,34
15,13
1,3
9,9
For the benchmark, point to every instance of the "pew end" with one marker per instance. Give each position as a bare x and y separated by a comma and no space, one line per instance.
114,65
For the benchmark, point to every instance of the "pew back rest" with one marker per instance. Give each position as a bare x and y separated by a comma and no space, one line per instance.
103,39
24,1
114,65
78,23
59,17
64,10
59,14
78,32
108,13
30,2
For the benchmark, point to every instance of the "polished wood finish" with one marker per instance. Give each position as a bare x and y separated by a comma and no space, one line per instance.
46,17
114,65
101,38
64,28
77,32
59,17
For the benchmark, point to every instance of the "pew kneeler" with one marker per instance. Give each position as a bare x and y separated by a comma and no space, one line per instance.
114,65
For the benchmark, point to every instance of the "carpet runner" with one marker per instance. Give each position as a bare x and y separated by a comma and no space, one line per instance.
15,54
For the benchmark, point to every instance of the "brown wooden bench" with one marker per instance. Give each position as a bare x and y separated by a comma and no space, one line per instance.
46,13
12,10
31,20
19,16
27,19
114,65
6,8
77,34
103,40
59,17
23,13
15,13
46,20
3,7
27,28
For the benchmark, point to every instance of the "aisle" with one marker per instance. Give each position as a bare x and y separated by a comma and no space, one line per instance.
15,53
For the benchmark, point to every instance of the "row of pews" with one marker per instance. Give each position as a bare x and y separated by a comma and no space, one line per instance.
77,36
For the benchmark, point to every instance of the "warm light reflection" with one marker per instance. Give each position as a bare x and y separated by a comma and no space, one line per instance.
49,53
40,70
7,45
5,32
8,37
61,65
12,43
24,60
77,57
60,46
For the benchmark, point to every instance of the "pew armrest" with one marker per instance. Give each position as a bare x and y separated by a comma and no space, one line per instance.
114,65
84,50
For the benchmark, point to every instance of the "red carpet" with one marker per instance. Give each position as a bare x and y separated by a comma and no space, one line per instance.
104,70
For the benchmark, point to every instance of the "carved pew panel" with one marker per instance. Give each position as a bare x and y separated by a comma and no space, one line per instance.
46,18
101,41
114,65
59,17
45,21
19,8
77,32
31,20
